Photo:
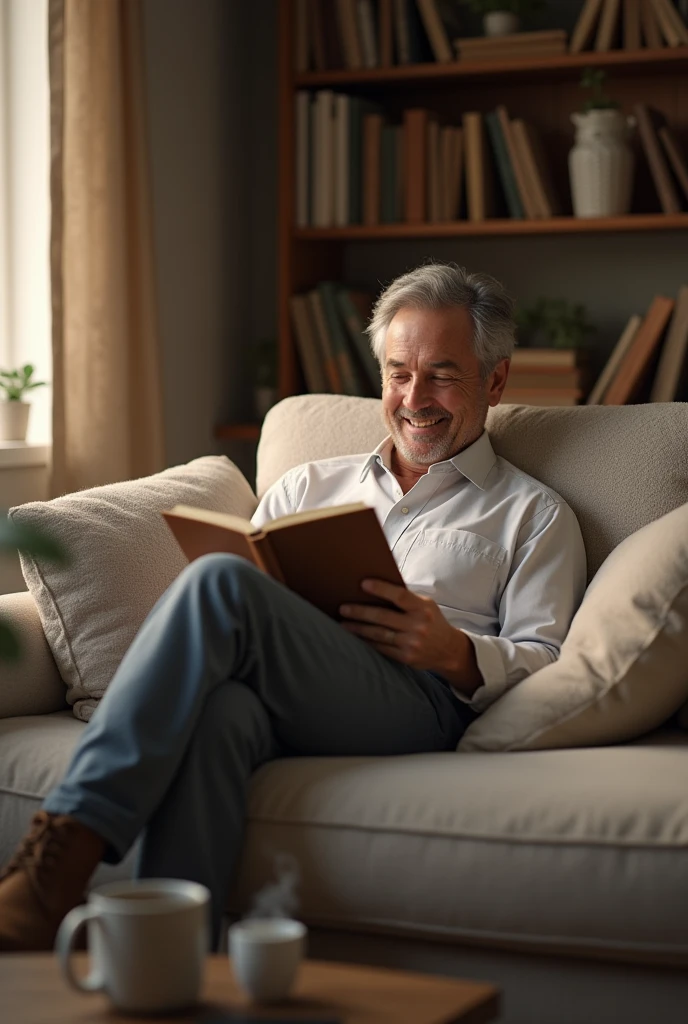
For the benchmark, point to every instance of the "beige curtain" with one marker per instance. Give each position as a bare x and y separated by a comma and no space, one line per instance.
107,403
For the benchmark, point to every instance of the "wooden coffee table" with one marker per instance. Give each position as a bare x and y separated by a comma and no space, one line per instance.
32,992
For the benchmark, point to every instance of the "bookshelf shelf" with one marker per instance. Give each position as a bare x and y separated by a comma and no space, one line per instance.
498,226
566,66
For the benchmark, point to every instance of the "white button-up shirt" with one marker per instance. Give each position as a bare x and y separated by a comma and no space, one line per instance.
500,553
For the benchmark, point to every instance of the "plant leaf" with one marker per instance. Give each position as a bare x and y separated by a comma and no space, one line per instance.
30,540
10,648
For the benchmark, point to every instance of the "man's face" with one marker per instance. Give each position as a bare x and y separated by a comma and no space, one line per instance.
434,398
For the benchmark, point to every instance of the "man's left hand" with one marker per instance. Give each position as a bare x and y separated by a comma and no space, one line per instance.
417,634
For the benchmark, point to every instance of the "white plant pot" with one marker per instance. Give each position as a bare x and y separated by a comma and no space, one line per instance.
601,164
14,420
500,23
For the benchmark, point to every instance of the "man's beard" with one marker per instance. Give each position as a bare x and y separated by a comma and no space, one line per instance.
456,436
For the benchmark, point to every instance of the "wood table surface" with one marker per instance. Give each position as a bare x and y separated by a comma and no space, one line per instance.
32,991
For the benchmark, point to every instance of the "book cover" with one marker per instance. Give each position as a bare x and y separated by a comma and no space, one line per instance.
585,26
419,44
631,25
675,156
348,371
435,31
633,367
307,345
663,182
334,47
366,28
386,33
434,196
672,361
372,142
554,396
341,163
303,159
538,378
606,32
389,170
503,165
525,39
316,33
547,357
323,159
355,326
618,353
301,55
322,554
530,53
347,22
650,25
479,175
522,181
325,343
456,174
415,165
402,38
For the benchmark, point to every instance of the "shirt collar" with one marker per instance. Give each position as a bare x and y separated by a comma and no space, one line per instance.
474,462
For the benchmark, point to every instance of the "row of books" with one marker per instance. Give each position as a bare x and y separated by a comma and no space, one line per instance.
666,159
334,350
546,376
356,34
608,24
650,358
353,167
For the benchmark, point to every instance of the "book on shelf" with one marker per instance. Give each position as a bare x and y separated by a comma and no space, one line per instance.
545,43
670,22
368,32
351,377
354,309
322,554
536,168
503,166
479,171
347,23
341,164
636,362
415,165
650,25
553,396
648,121
523,183
385,28
631,25
433,199
372,144
307,345
391,199
523,358
303,159
325,343
435,31
301,36
547,378
676,157
608,25
323,159
617,355
673,360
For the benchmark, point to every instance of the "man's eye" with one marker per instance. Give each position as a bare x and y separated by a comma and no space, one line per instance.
445,379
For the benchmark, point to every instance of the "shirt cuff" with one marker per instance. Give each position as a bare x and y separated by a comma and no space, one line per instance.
491,668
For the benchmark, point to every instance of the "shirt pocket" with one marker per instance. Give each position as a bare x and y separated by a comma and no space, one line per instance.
456,568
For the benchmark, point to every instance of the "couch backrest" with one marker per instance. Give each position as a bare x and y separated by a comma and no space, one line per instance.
618,467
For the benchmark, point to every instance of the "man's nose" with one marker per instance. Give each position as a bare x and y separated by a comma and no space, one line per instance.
417,396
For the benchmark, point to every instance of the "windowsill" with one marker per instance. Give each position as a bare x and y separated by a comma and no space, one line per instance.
20,455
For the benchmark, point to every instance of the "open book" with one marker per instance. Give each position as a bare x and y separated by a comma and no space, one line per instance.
322,555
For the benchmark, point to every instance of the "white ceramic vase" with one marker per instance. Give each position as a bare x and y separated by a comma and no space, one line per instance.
601,164
500,23
14,420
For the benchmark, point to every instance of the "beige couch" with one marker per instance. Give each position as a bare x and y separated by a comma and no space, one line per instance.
562,875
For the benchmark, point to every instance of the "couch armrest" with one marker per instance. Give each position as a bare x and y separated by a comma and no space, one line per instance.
31,685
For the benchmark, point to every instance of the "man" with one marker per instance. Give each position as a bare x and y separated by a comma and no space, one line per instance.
231,669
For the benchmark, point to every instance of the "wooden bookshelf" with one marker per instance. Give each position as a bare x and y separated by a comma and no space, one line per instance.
544,91
237,431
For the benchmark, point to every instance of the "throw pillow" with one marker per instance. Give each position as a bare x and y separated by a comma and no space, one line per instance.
623,668
123,556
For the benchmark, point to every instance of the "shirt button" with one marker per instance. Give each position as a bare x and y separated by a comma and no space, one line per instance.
405,510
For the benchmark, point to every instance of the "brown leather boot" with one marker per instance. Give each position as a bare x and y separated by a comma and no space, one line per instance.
46,878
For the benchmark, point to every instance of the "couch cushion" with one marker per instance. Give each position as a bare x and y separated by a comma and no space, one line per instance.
31,684
618,467
623,668
123,557
580,851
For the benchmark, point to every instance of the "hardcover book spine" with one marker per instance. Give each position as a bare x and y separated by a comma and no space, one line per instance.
265,557
415,169
503,164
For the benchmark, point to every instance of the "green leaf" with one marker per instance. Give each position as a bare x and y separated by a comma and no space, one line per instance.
10,648
30,540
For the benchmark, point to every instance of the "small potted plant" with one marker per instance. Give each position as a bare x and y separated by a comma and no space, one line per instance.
265,376
555,323
601,160
14,412
503,17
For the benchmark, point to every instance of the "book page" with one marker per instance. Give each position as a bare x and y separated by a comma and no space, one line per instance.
313,515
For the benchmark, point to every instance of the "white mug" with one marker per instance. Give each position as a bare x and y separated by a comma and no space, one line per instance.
265,955
147,941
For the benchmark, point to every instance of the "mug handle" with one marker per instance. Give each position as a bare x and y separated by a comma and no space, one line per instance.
67,932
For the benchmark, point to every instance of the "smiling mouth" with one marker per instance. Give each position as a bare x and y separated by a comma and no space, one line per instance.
423,424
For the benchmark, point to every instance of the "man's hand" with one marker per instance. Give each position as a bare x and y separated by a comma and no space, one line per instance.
417,635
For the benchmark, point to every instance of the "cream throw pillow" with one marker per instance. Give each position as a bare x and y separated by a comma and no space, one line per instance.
623,668
123,557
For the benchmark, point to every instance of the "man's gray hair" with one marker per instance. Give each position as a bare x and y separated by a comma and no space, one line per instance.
444,286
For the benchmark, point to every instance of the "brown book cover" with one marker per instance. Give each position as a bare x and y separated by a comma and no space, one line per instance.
467,56
457,175
617,355
548,35
310,356
372,137
585,26
348,33
670,23
527,160
655,158
631,25
522,180
434,197
322,554
334,49
479,172
415,165
301,55
629,376
385,33
535,378
650,25
554,396
676,158
435,31
606,31
672,361
316,31
547,357
543,178
325,343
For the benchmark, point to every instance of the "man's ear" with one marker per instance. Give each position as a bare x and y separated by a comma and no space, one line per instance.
496,382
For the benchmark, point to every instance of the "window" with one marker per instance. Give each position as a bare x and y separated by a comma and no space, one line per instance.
25,199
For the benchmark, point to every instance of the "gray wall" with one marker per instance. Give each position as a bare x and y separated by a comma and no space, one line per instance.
211,83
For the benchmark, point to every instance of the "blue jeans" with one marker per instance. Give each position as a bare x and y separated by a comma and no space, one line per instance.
229,670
